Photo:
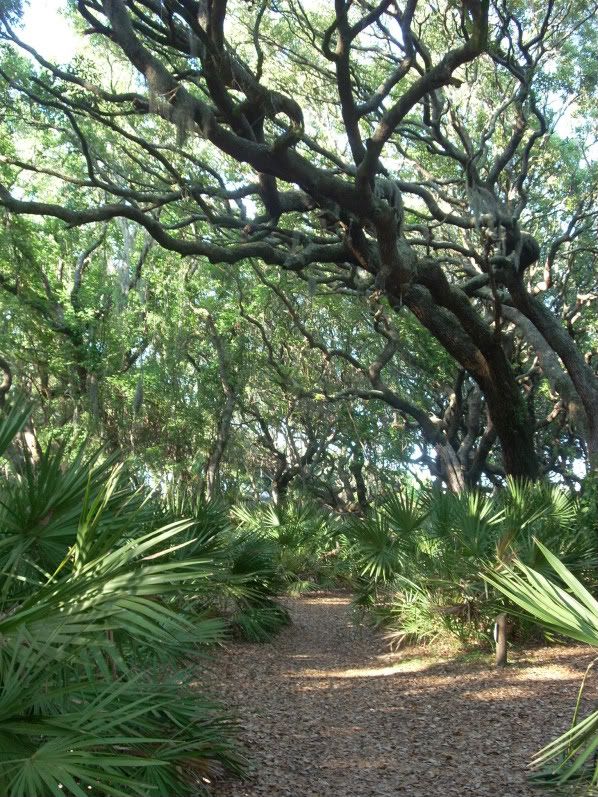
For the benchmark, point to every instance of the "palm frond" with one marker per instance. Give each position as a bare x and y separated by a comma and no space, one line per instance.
13,422
568,608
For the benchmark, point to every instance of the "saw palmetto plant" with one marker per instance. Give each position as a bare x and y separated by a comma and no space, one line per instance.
418,556
85,601
250,577
309,543
563,605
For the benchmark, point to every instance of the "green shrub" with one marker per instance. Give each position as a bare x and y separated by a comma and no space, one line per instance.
96,605
311,550
418,557
245,591
562,604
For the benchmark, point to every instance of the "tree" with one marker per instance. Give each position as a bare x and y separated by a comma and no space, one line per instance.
426,183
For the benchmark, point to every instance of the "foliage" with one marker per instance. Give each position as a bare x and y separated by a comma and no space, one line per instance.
312,551
94,591
159,297
564,606
419,556
246,593
289,257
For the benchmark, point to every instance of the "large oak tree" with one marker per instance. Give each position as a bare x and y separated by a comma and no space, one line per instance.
405,152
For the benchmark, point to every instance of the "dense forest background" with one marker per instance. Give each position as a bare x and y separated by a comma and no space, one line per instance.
327,253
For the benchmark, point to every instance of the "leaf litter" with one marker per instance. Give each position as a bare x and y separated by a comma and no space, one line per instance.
326,711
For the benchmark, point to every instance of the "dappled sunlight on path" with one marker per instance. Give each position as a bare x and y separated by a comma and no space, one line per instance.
327,713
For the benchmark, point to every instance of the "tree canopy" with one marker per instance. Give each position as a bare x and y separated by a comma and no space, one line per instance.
271,243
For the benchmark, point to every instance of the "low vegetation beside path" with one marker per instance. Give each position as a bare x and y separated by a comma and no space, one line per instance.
117,602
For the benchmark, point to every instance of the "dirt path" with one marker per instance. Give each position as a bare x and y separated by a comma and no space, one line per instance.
327,713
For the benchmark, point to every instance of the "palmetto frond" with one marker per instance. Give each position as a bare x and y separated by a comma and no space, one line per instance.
12,424
131,736
47,506
91,587
439,543
567,608
379,550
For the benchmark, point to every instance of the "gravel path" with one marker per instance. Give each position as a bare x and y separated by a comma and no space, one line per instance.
328,713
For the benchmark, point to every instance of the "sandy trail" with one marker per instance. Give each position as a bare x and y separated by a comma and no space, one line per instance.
328,713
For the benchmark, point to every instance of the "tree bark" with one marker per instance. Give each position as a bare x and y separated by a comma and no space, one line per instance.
501,640
356,468
6,382
582,376
447,314
227,382
212,477
559,381
512,423
451,467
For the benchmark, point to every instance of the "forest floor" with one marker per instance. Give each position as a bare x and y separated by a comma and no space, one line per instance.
328,712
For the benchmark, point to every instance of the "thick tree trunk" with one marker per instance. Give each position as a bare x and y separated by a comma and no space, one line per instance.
592,443
511,421
580,372
277,494
356,468
451,468
30,444
447,314
280,487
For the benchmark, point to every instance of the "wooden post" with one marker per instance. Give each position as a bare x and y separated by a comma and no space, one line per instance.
500,637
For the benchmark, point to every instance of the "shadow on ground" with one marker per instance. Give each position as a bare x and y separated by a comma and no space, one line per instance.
328,713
